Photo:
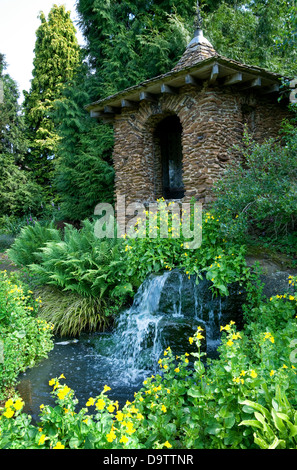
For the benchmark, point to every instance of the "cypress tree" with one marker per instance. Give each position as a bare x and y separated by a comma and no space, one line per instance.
57,56
84,173
18,194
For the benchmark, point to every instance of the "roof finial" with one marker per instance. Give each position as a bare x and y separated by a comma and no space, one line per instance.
199,21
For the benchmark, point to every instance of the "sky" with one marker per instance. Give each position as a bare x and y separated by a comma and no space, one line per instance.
18,24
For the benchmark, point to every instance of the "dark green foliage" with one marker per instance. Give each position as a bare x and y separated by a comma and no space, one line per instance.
253,32
84,173
257,195
56,59
81,278
18,193
128,42
82,263
30,240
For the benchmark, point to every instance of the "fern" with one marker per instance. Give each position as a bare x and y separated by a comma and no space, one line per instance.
83,264
30,241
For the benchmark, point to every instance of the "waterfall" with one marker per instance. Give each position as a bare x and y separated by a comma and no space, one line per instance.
166,311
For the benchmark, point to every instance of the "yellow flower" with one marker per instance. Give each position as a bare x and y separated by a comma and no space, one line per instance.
18,404
229,343
63,392
111,408
129,427
90,402
8,413
52,382
119,416
226,328
8,403
167,444
111,436
106,388
177,369
163,408
59,446
272,372
254,374
100,404
124,439
41,440
236,336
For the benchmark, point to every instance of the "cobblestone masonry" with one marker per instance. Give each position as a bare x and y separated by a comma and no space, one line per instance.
212,120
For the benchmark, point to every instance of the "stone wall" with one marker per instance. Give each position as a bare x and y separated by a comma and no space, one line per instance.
213,121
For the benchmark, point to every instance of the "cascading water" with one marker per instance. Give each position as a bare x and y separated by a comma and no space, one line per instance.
166,311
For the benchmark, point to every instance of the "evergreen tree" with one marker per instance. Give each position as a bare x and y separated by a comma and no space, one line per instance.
57,56
84,173
18,194
130,41
251,32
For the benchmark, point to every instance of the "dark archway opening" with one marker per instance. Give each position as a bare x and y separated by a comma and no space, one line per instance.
169,135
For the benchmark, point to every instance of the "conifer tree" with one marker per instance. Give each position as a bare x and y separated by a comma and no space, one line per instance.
57,56
18,194
84,173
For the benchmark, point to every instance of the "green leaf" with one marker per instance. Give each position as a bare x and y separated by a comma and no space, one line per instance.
278,421
251,422
230,421
257,407
277,443
74,443
261,442
195,392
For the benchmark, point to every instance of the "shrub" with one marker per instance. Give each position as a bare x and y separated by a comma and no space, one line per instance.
220,261
275,427
84,277
31,239
83,264
257,194
24,338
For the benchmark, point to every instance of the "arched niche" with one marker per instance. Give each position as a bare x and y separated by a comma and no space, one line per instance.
168,148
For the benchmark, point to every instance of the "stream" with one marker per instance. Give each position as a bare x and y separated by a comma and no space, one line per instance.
166,311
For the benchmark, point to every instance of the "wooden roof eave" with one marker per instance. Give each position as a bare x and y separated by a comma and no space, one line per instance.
216,69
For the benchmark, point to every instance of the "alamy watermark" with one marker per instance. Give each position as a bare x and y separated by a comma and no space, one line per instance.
137,220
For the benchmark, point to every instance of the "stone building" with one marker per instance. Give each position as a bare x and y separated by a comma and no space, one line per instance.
175,133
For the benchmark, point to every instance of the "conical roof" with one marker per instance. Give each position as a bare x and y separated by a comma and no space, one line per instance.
197,50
